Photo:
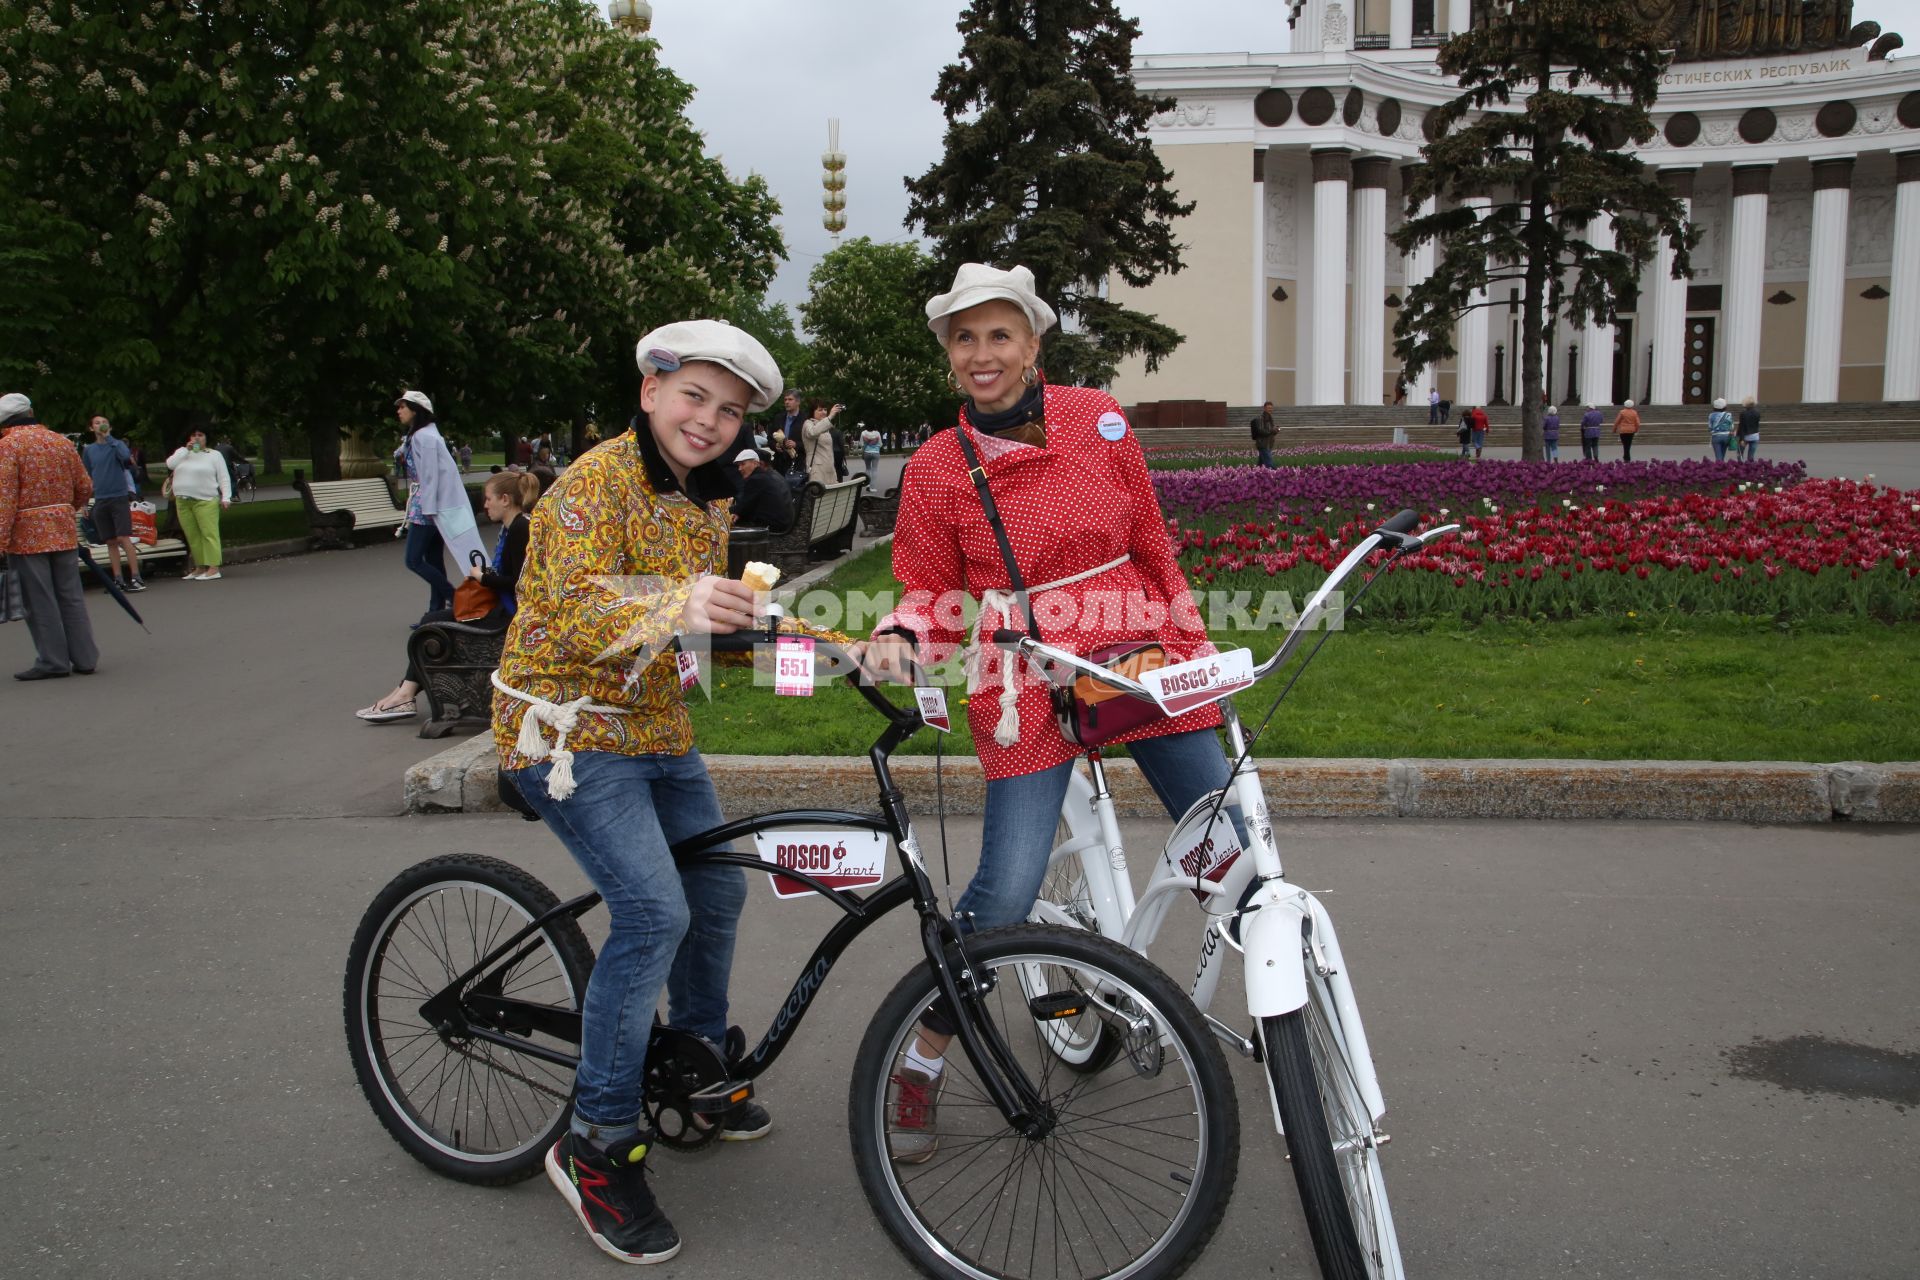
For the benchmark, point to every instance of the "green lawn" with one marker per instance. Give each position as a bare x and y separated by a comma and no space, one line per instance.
1682,687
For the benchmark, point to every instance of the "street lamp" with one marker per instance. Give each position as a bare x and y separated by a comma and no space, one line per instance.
635,17
834,181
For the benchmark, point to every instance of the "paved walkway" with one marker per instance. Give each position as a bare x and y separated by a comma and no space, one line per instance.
1558,1008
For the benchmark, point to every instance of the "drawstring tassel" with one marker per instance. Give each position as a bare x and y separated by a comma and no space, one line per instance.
562,717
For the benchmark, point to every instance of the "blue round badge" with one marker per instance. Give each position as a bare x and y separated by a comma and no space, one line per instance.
1112,426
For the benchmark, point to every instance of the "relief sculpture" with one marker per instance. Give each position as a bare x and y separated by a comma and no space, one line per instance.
1701,30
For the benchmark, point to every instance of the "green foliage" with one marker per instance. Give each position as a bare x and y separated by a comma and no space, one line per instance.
285,212
771,323
1046,166
1549,167
871,349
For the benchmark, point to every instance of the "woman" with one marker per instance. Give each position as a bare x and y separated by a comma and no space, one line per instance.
201,490
1626,425
1720,430
1590,423
817,434
1550,433
1070,482
1749,431
509,496
439,514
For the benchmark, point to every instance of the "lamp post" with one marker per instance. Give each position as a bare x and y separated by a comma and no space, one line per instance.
635,17
833,180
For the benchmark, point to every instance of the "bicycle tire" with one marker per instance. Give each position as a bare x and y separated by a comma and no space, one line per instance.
1141,1205
1065,889
429,924
1342,1192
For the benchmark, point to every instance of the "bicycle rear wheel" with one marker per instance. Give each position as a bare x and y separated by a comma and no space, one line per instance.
463,1106
1330,1135
1134,1174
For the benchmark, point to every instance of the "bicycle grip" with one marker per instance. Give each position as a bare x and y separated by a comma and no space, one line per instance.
1006,639
1405,522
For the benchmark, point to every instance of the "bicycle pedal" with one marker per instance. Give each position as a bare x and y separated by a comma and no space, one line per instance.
1056,1005
720,1098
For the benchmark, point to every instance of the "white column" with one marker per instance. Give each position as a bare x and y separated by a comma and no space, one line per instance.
1331,170
1667,329
1826,280
1400,24
1258,380
1307,27
1419,265
1369,279
1470,383
1459,15
1596,340
1742,298
1903,314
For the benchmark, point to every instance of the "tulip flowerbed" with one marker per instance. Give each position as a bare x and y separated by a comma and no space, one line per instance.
1256,493
1817,547
1175,457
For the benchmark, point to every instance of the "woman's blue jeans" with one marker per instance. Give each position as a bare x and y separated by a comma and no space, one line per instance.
1022,814
424,549
670,926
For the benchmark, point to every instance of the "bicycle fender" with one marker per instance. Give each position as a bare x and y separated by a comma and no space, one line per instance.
1276,972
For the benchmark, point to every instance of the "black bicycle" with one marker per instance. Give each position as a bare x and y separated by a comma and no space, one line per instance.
463,995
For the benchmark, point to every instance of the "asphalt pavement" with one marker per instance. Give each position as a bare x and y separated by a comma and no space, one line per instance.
1609,1049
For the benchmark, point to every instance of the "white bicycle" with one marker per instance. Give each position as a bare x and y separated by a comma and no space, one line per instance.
1306,1024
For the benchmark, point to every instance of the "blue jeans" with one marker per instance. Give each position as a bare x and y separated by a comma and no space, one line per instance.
424,549
1720,444
669,926
1553,450
1022,814
1266,454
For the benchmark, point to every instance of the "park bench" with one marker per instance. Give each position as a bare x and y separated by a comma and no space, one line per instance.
879,511
823,526
337,509
456,663
166,548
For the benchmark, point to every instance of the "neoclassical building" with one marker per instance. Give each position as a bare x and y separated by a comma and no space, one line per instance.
1791,136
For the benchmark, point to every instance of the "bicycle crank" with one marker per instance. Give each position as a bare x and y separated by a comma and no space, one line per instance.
682,1070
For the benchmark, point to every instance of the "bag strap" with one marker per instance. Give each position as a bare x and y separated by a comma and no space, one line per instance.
978,474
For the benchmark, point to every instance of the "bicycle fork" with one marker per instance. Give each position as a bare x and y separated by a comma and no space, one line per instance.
1006,1084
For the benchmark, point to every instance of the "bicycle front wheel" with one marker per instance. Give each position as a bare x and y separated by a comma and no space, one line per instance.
1137,1164
463,1106
1330,1136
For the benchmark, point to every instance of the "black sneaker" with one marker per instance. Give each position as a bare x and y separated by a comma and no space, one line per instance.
609,1192
135,584
745,1121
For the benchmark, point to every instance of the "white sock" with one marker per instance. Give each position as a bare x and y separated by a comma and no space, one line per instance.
928,1067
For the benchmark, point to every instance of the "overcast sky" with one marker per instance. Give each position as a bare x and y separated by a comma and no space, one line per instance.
769,74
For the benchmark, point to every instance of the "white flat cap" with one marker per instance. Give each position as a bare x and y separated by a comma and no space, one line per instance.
419,398
747,455
15,406
975,283
716,342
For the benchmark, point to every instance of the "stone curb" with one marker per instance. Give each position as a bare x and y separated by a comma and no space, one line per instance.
461,779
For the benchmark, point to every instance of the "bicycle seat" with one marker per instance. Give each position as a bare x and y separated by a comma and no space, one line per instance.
510,796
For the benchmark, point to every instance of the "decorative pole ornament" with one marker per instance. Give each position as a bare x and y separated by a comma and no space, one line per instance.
635,17
833,179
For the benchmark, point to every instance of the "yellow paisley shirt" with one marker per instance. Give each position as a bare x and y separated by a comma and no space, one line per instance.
577,634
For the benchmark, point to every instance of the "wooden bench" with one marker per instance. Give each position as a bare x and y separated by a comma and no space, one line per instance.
167,548
823,527
879,511
337,509
456,663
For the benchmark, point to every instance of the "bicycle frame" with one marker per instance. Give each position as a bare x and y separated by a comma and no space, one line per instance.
1008,1086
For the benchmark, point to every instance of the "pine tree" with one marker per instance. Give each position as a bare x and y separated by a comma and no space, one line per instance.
1549,166
1046,167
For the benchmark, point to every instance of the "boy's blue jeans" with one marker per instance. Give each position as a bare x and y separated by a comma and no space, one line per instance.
669,926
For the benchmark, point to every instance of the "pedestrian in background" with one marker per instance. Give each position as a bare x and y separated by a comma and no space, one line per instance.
110,467
817,436
1434,416
870,454
439,513
1720,430
1590,423
201,489
1464,432
1477,420
1626,425
43,485
1263,433
1749,431
1550,433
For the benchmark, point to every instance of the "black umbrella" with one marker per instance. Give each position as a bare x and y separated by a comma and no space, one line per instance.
113,588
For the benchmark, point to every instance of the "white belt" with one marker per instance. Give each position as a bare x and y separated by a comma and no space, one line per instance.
563,716
1007,729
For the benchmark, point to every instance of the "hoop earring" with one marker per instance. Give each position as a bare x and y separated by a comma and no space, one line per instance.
1030,376
953,384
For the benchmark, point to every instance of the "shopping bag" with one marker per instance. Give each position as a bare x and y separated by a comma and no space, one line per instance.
146,530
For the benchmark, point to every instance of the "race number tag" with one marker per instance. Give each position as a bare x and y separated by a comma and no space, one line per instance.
689,669
933,707
837,859
793,667
1186,685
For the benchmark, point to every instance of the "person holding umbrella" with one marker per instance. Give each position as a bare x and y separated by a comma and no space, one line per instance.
43,485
